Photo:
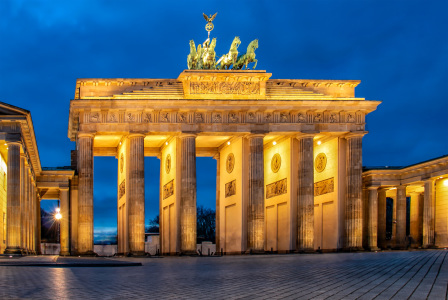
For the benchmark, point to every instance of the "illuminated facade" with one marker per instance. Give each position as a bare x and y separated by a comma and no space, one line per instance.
289,168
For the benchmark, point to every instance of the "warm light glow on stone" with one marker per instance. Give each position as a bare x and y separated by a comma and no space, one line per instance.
228,143
274,143
319,142
445,183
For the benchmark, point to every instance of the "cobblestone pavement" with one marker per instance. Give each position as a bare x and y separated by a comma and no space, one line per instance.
382,275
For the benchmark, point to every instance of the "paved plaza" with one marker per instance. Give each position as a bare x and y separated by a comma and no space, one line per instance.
382,275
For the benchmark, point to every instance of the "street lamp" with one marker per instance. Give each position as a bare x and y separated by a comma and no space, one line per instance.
58,215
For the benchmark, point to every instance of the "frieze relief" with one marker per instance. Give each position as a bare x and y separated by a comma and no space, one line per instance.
223,87
276,188
324,187
122,189
230,188
168,189
304,117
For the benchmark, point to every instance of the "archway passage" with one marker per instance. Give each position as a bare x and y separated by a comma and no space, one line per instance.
50,226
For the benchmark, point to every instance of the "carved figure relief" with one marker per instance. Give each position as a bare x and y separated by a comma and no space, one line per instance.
251,117
233,118
168,164
320,162
230,163
223,87
182,117
168,189
94,118
283,117
198,117
301,118
164,116
113,118
318,118
130,117
333,118
276,162
217,118
324,187
268,117
121,162
122,189
277,188
350,118
230,188
147,118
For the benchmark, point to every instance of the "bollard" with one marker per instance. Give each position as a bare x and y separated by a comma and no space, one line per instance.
222,252
208,251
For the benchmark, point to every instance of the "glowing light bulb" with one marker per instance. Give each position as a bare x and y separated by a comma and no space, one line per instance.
274,143
228,143
445,183
319,142
58,216
166,143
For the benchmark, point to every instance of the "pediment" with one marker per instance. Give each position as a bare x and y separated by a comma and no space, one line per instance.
11,110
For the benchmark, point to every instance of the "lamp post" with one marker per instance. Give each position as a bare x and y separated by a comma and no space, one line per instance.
58,217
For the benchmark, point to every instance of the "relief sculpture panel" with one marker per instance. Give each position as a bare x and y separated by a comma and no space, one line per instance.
122,189
168,189
276,188
324,187
230,188
222,87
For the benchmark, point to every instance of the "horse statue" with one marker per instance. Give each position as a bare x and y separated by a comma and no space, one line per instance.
208,61
248,57
230,58
194,56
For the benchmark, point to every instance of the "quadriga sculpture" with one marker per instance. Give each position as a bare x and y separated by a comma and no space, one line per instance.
248,57
230,58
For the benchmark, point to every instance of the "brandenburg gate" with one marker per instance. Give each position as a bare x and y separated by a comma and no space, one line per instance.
289,158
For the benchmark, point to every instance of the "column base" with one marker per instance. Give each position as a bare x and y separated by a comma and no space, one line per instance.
64,253
374,249
88,254
138,253
14,251
353,249
306,251
254,251
188,252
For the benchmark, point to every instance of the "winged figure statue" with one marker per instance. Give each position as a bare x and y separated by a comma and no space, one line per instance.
209,19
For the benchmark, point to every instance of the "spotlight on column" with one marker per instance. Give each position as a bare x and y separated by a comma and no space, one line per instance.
274,143
319,142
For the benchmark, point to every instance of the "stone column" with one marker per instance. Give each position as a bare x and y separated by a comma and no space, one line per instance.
85,202
136,194
401,217
255,209
414,220
28,208
64,227
37,223
353,204
373,219
13,234
305,194
22,201
382,219
217,218
428,214
188,193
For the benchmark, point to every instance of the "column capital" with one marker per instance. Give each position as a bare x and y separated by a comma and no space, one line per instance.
86,134
306,134
18,143
372,187
136,134
216,156
187,134
355,134
255,135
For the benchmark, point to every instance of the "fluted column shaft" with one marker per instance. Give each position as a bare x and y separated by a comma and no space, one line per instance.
36,223
188,193
85,202
305,195
22,201
373,219
64,227
428,214
136,194
353,205
401,217
26,208
255,212
13,234
382,219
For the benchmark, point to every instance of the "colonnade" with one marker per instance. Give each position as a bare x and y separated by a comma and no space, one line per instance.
182,228
422,217
23,209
